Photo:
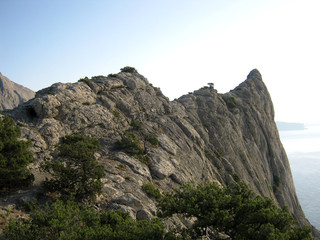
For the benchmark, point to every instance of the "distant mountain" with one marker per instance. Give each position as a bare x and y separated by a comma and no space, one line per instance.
288,126
13,94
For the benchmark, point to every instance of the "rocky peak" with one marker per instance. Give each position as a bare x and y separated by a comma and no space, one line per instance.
254,74
12,94
203,136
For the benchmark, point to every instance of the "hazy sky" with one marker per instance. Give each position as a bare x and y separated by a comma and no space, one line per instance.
179,45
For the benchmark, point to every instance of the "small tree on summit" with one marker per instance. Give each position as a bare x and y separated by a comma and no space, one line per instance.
14,156
128,69
75,174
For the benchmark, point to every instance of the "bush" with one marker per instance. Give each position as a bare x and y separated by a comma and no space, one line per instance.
276,183
113,75
231,101
14,156
136,125
130,144
128,69
72,221
116,113
153,140
75,173
151,191
232,210
85,80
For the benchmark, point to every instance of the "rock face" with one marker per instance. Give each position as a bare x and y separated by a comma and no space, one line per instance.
12,94
203,136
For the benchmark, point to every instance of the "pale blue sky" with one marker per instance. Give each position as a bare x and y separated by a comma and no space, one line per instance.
179,45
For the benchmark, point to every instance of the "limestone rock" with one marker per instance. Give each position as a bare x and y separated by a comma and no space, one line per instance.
12,94
203,136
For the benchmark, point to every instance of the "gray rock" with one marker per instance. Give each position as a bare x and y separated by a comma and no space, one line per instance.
161,166
128,200
203,137
13,94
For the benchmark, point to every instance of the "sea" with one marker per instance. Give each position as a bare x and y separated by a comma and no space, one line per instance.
303,151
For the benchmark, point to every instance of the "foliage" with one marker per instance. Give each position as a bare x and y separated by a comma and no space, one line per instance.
231,101
116,113
276,183
218,153
128,69
211,85
152,139
75,173
208,154
136,125
98,77
131,145
73,221
113,75
85,80
151,191
232,210
14,156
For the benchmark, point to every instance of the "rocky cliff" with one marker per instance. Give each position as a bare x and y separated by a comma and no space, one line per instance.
203,136
12,94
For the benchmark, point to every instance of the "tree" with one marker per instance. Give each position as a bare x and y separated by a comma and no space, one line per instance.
211,85
69,220
75,173
232,210
14,156
128,69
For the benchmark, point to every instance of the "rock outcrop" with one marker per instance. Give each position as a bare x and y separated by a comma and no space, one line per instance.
12,94
203,136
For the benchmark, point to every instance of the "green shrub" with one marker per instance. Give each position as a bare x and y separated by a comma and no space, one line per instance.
98,77
218,153
136,125
85,80
276,183
130,144
128,69
208,154
14,156
231,101
232,210
74,222
153,140
113,75
151,191
75,174
211,85
116,113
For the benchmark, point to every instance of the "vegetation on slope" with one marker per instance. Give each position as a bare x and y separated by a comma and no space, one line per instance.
14,156
230,212
75,174
217,212
69,220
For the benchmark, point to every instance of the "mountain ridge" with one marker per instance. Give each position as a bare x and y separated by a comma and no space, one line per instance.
13,94
203,136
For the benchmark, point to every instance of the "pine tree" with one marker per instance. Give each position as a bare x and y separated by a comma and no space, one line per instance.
14,156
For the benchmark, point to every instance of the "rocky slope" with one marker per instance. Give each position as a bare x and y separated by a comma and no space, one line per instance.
203,136
12,94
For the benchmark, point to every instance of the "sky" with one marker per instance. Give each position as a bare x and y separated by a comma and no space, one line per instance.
178,45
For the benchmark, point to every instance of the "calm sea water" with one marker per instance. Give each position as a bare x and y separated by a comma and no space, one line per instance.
303,150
